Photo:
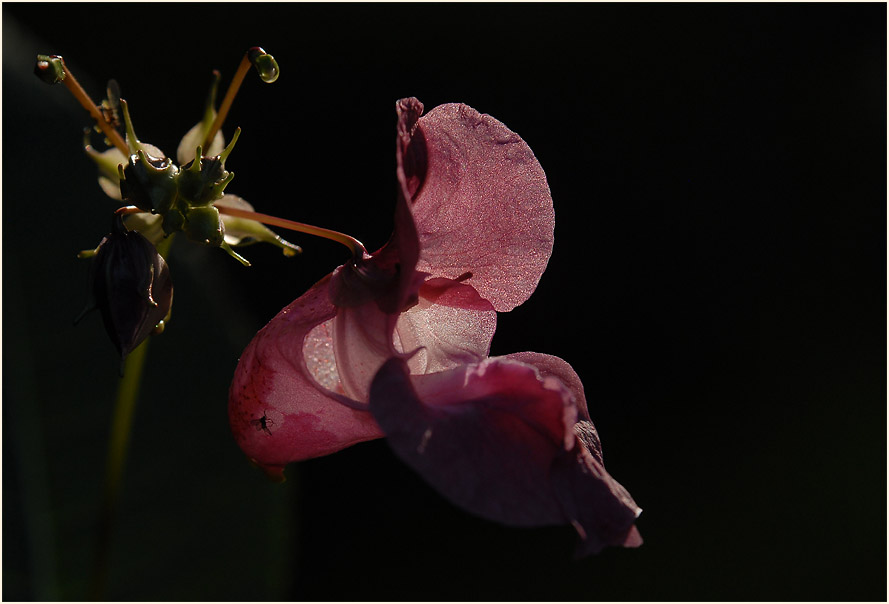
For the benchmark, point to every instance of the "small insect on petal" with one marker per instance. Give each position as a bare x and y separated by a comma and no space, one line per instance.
264,423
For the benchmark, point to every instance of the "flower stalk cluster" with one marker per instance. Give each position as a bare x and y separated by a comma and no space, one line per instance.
166,196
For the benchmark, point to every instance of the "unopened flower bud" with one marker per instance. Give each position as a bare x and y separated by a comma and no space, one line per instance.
131,286
203,181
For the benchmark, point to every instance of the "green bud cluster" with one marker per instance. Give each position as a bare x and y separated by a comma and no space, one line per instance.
182,196
203,181
129,280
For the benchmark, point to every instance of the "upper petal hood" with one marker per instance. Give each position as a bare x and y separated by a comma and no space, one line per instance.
480,202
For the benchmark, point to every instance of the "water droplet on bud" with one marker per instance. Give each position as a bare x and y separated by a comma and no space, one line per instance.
49,69
265,64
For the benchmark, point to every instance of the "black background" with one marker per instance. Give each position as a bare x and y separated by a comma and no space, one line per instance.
718,282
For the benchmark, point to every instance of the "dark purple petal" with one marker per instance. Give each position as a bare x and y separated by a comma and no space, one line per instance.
601,510
484,435
553,366
499,439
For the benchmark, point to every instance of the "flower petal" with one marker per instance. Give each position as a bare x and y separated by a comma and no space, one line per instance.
278,410
499,439
150,225
549,365
484,205
149,149
451,324
403,249
484,435
185,152
107,162
601,510
360,345
388,276
111,187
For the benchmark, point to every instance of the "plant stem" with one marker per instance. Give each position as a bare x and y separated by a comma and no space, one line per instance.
86,102
353,244
229,98
121,427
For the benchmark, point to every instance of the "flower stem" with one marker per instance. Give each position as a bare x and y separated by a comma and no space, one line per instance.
122,422
356,247
121,427
83,98
229,98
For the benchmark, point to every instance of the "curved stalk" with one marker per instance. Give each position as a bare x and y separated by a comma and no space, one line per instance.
353,244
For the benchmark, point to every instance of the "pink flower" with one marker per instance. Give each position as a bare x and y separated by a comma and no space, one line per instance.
395,344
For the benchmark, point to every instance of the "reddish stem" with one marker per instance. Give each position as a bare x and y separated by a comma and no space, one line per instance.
353,244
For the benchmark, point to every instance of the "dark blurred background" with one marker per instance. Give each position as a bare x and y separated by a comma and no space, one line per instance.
718,282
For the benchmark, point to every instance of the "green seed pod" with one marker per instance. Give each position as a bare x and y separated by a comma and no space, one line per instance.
203,224
203,181
149,183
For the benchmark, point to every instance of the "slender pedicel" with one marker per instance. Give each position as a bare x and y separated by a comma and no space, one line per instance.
52,70
268,71
355,246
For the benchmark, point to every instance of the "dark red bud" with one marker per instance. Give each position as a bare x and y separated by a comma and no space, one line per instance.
131,285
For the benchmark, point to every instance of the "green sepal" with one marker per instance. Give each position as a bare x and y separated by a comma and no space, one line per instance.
234,254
